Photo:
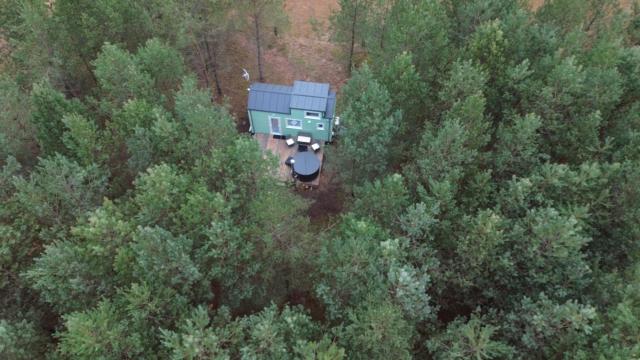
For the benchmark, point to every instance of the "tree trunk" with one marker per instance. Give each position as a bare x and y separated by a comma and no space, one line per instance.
595,17
384,20
214,64
203,61
256,22
353,36
89,70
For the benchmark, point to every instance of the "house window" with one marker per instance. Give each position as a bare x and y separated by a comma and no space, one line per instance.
294,124
312,115
320,126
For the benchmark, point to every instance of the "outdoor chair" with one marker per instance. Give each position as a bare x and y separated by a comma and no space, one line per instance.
290,142
289,161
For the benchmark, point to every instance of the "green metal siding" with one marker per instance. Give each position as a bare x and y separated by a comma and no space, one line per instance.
299,114
261,124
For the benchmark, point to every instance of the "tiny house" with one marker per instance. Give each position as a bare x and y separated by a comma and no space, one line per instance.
306,107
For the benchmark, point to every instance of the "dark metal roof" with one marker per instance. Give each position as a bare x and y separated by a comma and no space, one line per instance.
272,88
269,97
307,88
308,103
331,105
309,95
302,95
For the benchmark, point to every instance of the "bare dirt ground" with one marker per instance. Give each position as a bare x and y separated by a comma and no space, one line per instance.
303,52
536,4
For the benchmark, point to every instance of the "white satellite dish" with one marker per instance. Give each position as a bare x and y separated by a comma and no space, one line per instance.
245,74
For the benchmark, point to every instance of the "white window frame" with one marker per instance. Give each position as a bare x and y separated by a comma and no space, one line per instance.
315,117
320,126
293,127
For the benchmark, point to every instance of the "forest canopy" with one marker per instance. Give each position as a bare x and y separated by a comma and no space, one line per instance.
487,168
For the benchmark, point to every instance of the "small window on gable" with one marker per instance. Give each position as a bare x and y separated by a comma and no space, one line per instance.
320,126
294,124
312,114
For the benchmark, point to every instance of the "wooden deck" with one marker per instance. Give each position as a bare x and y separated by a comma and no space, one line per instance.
282,151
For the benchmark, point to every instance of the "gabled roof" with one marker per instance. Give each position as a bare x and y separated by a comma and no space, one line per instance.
308,103
309,95
270,98
303,95
308,88
331,105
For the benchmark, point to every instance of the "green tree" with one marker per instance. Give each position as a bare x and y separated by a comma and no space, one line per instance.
99,333
445,157
349,24
208,127
81,138
273,334
164,65
160,193
72,275
351,267
517,146
358,264
79,30
377,331
382,201
571,128
478,271
48,109
56,194
407,92
368,129
324,349
546,329
21,340
472,339
120,77
422,28
268,334
549,240
15,126
27,28
195,339
171,266
619,328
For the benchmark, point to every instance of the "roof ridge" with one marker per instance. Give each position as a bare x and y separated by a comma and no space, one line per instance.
313,96
271,91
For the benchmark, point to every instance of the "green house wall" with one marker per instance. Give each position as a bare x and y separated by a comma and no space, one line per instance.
260,124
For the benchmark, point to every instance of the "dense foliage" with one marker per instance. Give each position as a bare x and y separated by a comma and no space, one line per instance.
489,157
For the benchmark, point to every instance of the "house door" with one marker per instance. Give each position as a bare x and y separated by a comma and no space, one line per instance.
275,125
